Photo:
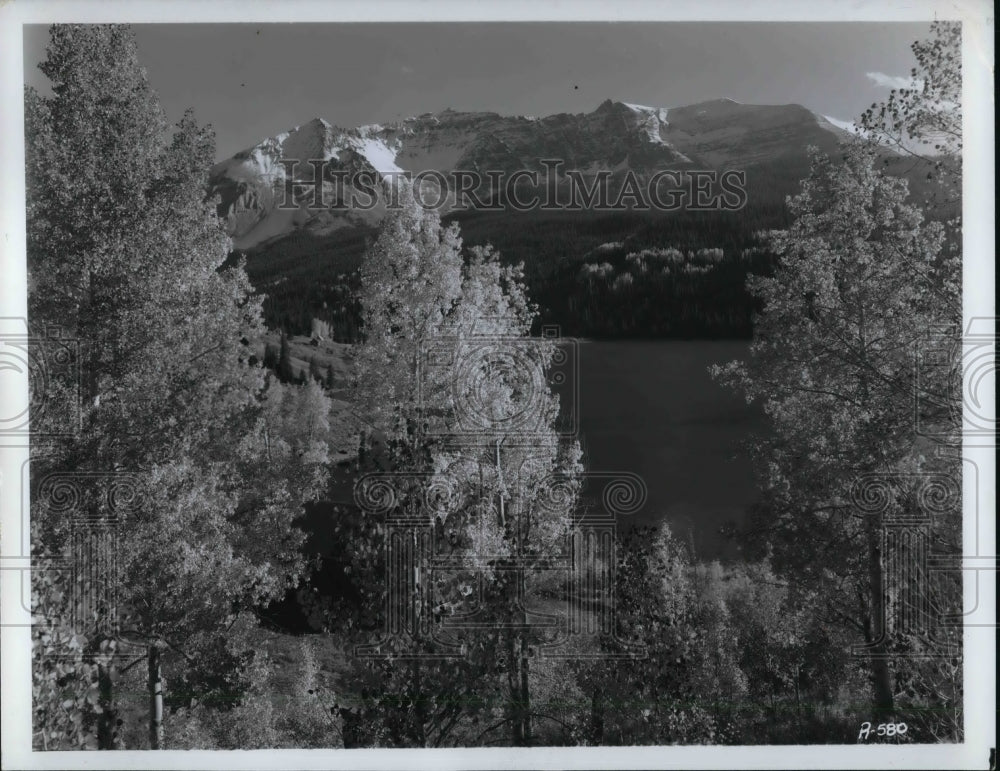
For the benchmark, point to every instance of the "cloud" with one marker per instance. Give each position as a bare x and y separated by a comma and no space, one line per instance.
893,81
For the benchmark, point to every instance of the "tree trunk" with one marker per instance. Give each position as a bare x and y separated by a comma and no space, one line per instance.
596,718
876,630
155,683
525,692
513,689
107,719
525,695
419,707
798,701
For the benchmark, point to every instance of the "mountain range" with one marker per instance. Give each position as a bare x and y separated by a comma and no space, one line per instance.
768,142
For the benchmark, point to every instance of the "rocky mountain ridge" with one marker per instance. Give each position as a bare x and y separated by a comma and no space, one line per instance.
616,138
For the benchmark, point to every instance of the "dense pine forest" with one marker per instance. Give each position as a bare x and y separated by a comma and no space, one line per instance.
673,275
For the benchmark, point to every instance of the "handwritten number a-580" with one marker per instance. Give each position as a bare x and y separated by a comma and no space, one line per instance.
881,730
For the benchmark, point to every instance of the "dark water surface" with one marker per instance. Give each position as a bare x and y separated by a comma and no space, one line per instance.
650,407
646,407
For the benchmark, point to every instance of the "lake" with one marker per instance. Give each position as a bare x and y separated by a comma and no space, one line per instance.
650,407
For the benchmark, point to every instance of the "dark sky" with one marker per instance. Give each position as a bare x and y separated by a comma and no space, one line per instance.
252,81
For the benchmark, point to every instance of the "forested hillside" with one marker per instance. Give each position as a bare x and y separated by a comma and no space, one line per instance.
594,274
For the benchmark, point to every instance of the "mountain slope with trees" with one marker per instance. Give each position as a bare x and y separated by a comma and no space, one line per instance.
190,463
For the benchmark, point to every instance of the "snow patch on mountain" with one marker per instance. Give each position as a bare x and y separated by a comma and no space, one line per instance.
654,116
375,147
843,125
653,120
380,155
616,137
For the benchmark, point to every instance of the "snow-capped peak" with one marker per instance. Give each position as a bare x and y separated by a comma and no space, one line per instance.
719,133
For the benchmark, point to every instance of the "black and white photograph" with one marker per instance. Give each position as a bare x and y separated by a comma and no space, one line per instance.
476,386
